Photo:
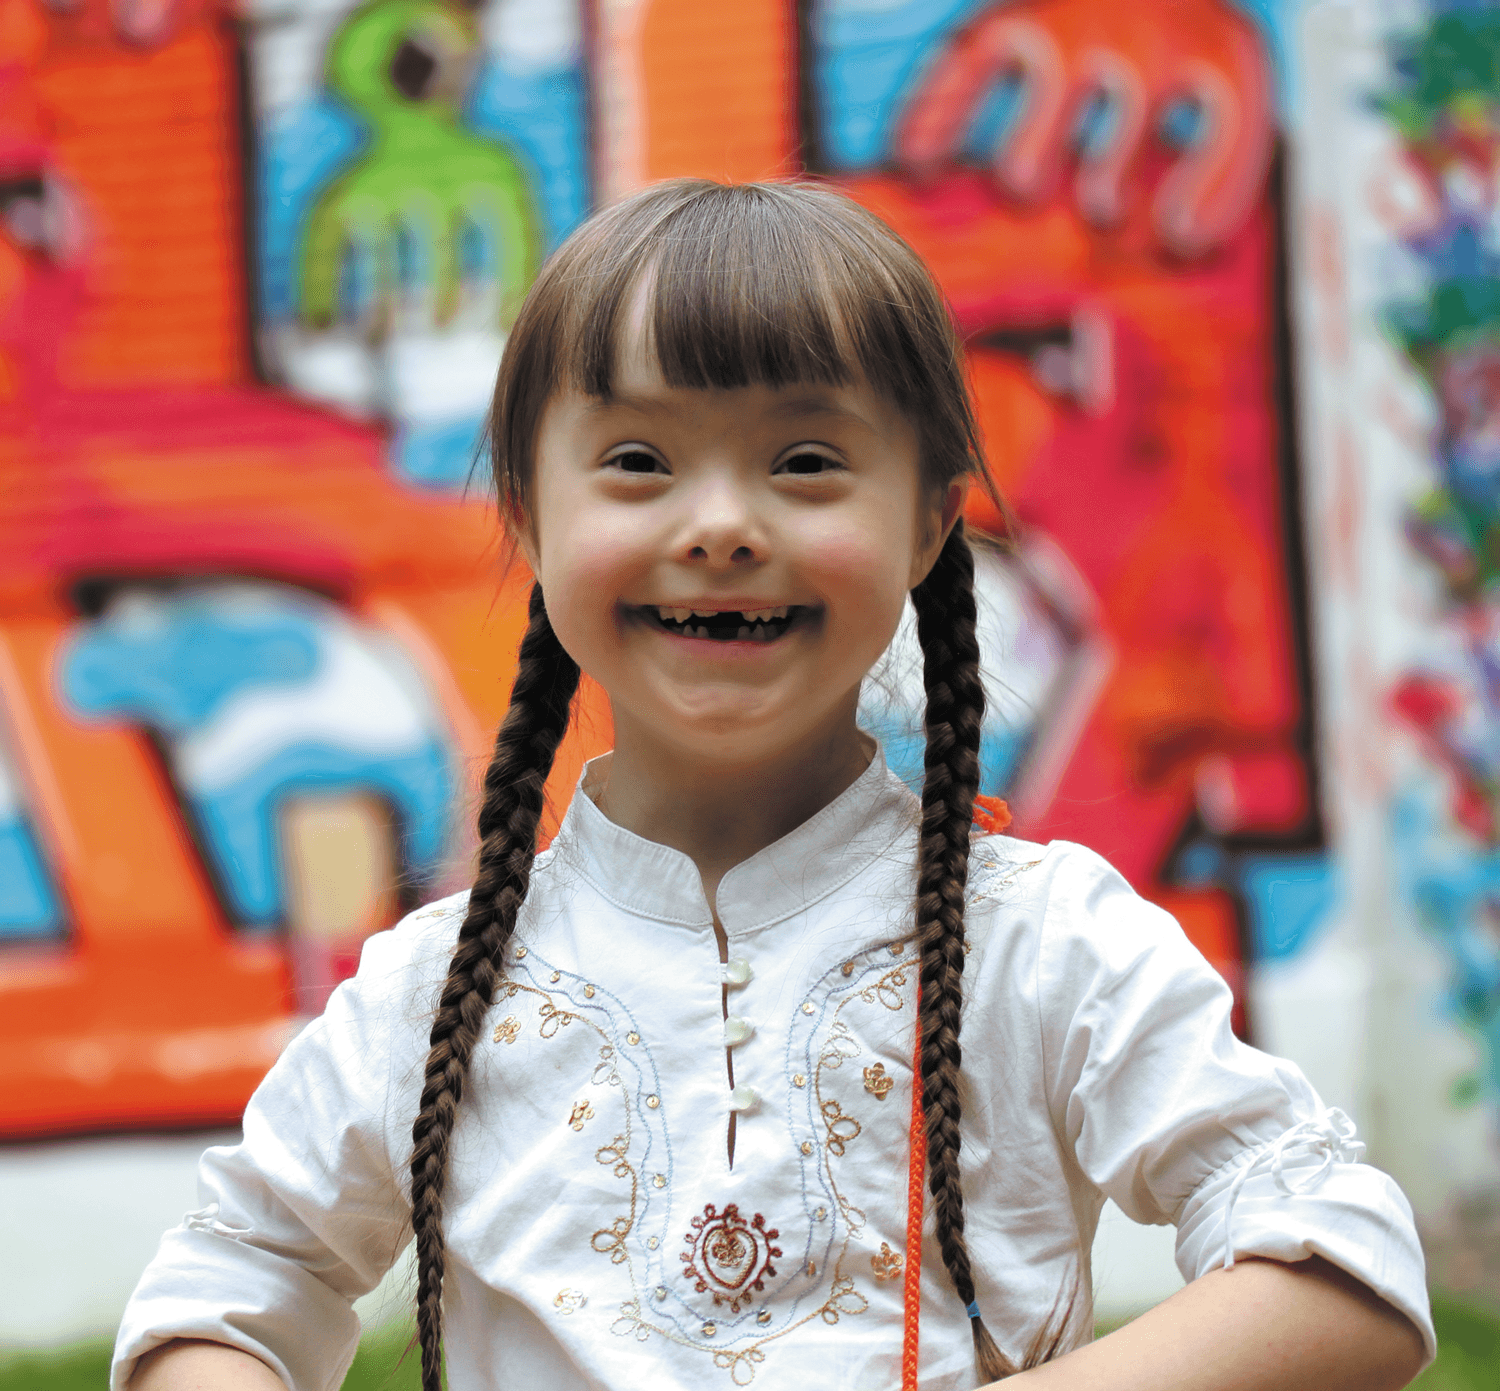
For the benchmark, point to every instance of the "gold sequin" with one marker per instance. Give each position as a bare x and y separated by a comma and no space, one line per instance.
652,1242
581,1112
763,1317
661,1291
812,1271
660,1180
821,1213
570,1301
848,968
520,952
588,992
709,1329
807,1147
632,1037
897,948
877,1082
555,977
807,1008
653,1101
887,1264
507,1029
799,1080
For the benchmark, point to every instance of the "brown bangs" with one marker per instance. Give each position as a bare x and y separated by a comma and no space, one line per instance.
749,284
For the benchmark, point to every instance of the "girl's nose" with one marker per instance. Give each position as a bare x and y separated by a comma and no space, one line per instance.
722,526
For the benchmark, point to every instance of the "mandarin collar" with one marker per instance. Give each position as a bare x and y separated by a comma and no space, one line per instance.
820,856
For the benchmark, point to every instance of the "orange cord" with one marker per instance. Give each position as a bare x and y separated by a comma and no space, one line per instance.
991,816
915,1177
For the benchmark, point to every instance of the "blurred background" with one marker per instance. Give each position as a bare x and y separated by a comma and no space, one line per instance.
1229,276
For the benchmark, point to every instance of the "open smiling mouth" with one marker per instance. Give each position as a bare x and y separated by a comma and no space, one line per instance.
725,625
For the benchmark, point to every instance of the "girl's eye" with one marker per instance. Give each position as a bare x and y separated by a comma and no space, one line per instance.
807,462
636,461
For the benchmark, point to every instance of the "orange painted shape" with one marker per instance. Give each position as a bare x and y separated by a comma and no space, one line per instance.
720,88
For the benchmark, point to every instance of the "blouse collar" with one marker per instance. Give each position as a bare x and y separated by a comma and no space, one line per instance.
824,853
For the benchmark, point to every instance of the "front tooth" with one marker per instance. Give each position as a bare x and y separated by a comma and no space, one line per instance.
705,613
682,615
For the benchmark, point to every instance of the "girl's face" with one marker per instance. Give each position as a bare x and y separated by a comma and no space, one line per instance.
728,564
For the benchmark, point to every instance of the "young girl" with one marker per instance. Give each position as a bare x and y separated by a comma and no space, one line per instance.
645,1100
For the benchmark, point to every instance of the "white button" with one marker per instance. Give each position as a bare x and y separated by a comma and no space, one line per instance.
737,971
742,1098
736,1030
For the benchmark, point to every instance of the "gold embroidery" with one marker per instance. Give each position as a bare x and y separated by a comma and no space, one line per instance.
569,1301
740,1364
552,1018
887,990
845,1299
614,1153
507,1029
605,1070
841,1128
582,1111
610,1241
888,1264
877,1082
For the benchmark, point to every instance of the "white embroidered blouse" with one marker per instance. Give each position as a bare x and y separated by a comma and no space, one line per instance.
598,1236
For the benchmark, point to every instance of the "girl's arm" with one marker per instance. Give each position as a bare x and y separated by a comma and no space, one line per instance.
182,1365
1262,1326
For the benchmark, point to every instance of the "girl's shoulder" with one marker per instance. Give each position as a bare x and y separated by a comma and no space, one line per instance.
1069,906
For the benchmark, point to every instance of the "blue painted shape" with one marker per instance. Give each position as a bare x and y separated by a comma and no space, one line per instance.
1290,897
992,121
541,116
1456,891
869,55
301,153
442,455
175,675
29,909
173,666
239,822
905,748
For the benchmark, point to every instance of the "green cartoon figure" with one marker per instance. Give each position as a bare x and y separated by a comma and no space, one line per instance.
433,223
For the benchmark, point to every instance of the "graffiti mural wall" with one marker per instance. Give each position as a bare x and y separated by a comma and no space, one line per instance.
1401,315
256,271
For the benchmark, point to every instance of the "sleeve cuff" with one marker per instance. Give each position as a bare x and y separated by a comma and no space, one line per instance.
214,1287
1309,1204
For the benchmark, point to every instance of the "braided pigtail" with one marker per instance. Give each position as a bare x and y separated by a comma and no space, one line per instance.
947,629
546,678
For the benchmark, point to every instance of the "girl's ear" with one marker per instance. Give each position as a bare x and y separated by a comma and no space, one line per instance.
523,537
940,523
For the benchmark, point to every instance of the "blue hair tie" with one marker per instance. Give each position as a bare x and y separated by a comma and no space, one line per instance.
972,1310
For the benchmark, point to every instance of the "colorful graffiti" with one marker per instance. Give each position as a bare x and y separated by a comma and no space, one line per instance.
254,281
1092,188
1444,107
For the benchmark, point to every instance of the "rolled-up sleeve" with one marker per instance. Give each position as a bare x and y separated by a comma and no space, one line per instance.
1174,1118
311,1208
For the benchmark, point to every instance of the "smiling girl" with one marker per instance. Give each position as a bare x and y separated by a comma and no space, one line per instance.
645,1101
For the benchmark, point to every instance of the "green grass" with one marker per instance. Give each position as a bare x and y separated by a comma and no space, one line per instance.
86,1368
1468,1359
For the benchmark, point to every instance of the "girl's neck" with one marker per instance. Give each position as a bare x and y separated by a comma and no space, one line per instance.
720,813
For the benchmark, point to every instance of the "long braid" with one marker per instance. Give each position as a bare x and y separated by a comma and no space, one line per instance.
546,678
947,630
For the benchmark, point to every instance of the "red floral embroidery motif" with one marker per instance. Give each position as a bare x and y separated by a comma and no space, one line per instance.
729,1257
